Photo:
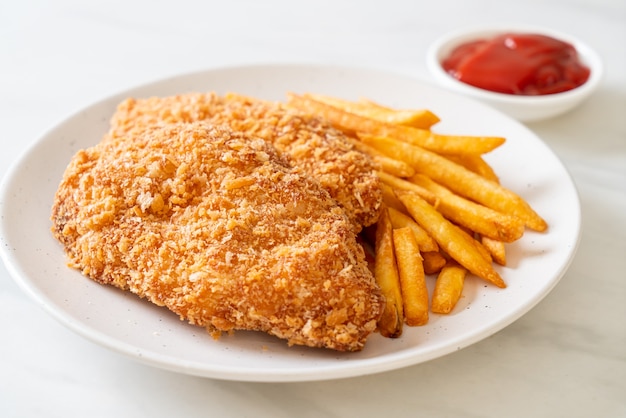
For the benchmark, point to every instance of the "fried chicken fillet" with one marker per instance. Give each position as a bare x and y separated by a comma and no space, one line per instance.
222,230
310,144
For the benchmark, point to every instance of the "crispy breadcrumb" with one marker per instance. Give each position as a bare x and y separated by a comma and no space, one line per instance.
310,144
221,229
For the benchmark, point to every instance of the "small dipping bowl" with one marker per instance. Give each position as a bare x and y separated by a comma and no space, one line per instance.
521,107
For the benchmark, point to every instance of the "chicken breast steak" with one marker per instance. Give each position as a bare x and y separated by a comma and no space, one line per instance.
310,144
221,229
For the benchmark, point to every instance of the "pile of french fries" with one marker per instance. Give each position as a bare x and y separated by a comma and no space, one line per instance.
445,213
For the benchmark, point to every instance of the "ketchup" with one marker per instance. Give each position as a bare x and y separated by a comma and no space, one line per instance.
523,64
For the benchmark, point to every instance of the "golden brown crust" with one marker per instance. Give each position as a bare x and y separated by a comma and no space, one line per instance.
310,144
222,230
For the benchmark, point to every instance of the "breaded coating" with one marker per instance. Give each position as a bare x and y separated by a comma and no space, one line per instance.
311,144
219,228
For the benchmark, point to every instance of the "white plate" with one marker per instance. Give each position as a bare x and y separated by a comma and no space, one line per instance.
153,335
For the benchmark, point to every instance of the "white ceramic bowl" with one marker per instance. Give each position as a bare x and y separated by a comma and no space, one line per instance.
522,108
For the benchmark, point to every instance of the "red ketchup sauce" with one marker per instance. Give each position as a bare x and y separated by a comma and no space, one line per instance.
522,64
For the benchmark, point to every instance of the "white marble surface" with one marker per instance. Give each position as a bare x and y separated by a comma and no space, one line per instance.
565,358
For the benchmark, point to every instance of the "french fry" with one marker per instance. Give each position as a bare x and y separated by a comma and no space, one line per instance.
351,123
401,184
412,278
417,118
448,288
461,181
470,237
496,249
389,165
444,211
476,217
433,261
449,237
476,164
425,242
388,279
394,167
390,199
422,118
